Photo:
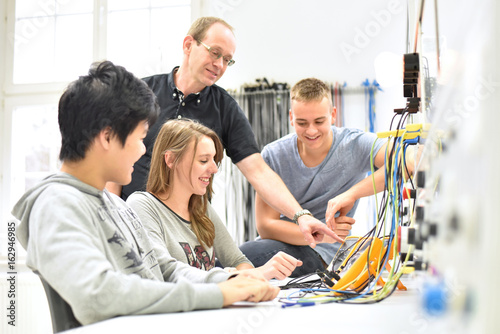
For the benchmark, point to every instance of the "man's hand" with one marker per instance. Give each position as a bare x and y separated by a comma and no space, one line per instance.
342,203
314,230
343,225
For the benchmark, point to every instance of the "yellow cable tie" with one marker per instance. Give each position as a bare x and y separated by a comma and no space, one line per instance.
413,127
411,135
407,270
393,133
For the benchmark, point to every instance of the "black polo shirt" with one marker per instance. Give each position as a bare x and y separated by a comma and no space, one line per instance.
212,107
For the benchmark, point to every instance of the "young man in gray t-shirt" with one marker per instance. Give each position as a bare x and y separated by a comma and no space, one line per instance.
318,163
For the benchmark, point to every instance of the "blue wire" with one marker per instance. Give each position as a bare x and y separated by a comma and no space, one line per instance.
370,90
371,286
396,168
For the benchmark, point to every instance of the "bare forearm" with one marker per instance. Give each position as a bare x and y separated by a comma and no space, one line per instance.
412,158
283,231
244,266
344,202
277,195
269,185
365,187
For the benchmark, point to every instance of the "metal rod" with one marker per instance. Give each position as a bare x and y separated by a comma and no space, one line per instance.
419,25
437,38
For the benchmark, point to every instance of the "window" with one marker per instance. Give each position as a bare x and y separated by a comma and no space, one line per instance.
48,44
52,40
153,44
35,143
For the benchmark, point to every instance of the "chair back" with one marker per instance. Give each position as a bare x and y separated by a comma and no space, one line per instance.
60,312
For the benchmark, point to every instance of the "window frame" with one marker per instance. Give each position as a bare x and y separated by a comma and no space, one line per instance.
17,95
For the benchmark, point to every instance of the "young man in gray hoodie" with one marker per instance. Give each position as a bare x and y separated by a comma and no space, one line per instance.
86,242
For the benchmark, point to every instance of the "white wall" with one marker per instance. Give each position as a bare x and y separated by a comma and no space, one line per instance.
333,40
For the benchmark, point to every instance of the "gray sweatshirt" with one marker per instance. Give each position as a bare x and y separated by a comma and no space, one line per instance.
94,251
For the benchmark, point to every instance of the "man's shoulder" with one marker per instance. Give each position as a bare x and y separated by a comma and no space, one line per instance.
346,131
220,94
71,197
351,133
156,77
157,80
357,140
283,142
161,84
66,183
280,146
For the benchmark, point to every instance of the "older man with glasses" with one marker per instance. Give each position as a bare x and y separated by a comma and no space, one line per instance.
189,91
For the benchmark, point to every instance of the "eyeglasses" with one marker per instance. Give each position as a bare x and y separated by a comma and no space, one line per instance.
216,54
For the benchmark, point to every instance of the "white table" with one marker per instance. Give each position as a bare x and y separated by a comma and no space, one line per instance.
399,313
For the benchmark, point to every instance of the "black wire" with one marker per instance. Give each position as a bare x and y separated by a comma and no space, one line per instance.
310,285
376,300
296,283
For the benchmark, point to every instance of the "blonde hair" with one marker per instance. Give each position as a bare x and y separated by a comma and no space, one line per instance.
176,136
310,89
200,27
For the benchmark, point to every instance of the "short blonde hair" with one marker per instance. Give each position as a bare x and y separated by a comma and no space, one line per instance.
310,89
200,27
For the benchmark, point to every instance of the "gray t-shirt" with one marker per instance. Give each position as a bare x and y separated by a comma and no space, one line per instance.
347,163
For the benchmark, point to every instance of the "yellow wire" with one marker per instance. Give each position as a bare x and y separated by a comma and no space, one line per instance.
393,275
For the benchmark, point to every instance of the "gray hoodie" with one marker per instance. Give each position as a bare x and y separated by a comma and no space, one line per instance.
93,250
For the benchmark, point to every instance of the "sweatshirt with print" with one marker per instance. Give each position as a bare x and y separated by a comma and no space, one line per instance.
94,251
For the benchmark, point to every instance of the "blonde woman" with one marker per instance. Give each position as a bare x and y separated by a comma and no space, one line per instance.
175,208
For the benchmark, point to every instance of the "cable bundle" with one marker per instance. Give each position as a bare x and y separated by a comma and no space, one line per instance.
355,274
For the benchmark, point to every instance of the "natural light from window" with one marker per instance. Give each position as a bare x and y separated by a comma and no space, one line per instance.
56,41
